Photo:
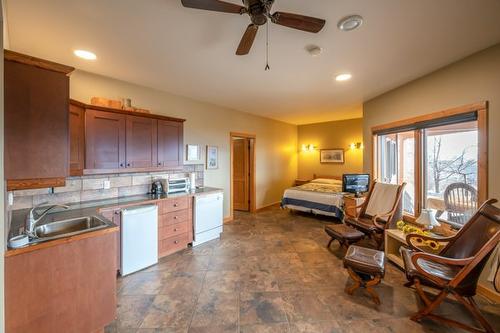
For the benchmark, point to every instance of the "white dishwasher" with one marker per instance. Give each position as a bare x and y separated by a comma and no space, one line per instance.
139,238
208,219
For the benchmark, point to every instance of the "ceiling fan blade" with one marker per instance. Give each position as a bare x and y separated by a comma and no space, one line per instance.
214,5
247,40
300,22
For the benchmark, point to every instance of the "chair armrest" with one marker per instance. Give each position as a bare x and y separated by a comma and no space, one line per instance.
424,237
437,259
376,223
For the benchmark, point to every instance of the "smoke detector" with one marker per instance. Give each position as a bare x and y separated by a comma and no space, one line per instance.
314,50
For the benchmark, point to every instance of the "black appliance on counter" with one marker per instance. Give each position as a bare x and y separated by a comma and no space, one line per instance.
157,188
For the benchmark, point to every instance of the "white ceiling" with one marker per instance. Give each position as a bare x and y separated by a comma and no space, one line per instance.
160,44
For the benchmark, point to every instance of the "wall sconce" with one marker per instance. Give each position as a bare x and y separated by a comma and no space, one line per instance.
356,145
308,147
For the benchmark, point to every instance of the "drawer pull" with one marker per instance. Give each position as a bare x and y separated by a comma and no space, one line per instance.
176,204
176,217
176,242
175,229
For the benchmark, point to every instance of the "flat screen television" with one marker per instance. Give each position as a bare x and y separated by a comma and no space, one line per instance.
355,183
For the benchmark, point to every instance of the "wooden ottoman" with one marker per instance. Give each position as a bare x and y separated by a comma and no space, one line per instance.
344,234
366,267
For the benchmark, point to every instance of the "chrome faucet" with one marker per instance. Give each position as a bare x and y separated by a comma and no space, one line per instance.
31,220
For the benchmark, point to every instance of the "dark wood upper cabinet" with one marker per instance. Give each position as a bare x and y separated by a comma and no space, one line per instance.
36,122
105,140
170,143
76,139
115,140
141,142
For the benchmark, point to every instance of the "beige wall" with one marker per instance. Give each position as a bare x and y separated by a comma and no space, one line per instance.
473,79
333,134
276,143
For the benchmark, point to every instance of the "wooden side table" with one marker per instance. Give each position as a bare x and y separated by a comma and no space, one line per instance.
394,239
350,203
299,182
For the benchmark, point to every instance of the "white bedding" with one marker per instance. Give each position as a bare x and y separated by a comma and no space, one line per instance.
326,194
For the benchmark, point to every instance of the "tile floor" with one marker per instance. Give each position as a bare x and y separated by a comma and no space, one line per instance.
269,272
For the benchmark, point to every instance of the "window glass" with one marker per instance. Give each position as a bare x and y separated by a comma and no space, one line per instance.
450,171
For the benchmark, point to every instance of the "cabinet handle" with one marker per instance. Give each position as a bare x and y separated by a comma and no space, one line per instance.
175,229
176,242
175,205
128,164
159,163
121,165
176,217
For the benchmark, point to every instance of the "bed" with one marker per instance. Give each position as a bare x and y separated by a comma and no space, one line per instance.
322,196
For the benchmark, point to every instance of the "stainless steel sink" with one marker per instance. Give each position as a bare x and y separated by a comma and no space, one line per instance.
69,227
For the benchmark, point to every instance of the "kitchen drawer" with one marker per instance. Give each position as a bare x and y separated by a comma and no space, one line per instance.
172,244
173,218
172,230
174,204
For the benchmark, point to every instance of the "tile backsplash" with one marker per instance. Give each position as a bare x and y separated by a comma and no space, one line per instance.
87,188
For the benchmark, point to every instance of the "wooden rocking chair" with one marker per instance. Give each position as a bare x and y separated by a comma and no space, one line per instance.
457,267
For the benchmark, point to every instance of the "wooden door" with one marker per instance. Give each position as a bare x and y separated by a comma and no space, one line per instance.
36,125
76,140
170,142
241,174
142,139
105,140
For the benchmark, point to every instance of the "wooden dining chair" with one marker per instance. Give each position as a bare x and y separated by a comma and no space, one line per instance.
456,268
381,210
460,201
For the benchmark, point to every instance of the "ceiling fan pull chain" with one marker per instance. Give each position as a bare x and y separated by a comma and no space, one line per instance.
267,47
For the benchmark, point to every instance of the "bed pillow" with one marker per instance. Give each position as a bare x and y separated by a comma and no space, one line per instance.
327,181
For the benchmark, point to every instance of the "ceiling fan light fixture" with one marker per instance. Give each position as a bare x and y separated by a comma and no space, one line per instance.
343,77
350,22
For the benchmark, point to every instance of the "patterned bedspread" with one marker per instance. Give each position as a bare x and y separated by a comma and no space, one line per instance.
318,198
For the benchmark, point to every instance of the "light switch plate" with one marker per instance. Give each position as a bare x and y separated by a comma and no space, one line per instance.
106,184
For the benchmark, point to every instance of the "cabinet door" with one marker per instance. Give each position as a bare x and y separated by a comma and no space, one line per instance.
36,126
105,140
170,142
141,142
76,140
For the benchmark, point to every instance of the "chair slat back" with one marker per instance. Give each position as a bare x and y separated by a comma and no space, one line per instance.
460,202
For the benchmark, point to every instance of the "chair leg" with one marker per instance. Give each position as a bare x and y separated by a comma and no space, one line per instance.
357,282
474,310
330,242
425,311
372,292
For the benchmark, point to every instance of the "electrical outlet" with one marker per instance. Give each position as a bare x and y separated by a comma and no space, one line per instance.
11,198
106,184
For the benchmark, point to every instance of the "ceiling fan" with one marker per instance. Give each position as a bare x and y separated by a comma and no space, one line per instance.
259,12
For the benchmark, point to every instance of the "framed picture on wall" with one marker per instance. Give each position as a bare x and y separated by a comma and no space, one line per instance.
331,155
212,157
193,153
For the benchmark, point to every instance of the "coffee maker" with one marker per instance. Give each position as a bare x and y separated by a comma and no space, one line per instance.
157,188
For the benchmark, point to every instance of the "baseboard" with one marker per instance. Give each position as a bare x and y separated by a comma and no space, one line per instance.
267,206
488,293
228,218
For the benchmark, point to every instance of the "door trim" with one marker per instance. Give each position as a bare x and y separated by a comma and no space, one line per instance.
253,142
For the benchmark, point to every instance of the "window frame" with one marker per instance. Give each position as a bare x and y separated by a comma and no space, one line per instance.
481,110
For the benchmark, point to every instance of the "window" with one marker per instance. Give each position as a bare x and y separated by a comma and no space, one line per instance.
441,158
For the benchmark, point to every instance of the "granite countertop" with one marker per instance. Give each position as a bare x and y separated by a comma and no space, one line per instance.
88,208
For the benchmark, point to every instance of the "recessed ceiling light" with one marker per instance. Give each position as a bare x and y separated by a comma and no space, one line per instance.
343,77
350,22
87,55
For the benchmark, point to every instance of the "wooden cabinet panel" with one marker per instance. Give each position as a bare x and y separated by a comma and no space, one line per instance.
173,218
141,144
173,204
36,122
76,140
104,140
170,143
172,230
114,215
70,287
172,244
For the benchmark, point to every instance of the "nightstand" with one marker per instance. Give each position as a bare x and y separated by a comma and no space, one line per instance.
299,182
350,202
